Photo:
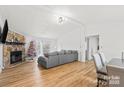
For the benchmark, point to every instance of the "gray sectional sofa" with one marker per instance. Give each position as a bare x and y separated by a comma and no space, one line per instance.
57,58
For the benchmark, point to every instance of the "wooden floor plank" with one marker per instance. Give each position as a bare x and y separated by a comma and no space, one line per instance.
30,74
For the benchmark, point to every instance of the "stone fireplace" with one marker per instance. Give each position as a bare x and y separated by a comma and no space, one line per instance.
13,52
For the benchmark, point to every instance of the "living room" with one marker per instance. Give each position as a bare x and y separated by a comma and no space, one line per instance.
39,43
34,39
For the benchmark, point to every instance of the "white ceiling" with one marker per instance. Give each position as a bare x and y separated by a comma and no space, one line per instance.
41,21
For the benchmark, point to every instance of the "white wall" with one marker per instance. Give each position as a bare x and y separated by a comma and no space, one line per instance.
70,41
1,57
73,40
111,38
1,46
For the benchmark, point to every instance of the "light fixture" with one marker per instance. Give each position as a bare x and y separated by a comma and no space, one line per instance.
61,19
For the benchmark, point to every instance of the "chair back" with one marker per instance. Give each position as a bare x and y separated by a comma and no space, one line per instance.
97,61
103,59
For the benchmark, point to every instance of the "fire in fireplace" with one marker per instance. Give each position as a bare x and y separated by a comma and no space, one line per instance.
15,56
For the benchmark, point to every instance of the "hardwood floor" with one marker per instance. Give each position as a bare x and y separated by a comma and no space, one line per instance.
30,74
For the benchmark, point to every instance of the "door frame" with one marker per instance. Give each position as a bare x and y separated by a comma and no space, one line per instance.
87,45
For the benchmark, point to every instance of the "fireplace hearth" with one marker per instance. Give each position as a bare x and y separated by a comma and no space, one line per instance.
15,56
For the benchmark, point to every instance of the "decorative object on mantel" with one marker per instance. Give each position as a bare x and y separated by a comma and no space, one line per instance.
16,39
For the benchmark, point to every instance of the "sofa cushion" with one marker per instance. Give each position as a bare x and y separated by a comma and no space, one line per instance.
61,52
74,51
52,53
68,52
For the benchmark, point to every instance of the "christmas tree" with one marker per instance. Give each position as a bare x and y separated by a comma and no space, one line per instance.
32,50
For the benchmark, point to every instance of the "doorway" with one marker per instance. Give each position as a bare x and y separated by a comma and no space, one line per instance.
92,46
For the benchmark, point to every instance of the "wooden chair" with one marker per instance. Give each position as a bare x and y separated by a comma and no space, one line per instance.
103,59
100,70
